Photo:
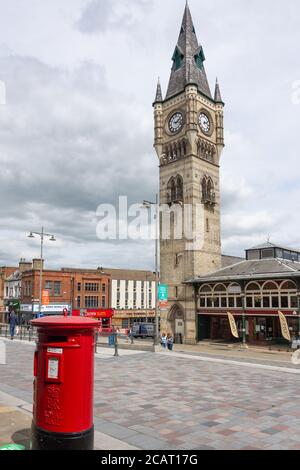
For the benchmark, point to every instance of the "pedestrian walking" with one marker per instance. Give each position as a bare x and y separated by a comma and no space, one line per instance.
13,321
170,342
130,336
163,341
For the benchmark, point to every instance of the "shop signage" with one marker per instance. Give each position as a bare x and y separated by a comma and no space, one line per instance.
163,292
52,308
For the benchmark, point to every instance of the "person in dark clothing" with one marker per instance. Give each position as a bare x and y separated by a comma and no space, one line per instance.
13,321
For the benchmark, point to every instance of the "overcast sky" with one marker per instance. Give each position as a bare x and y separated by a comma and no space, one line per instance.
77,127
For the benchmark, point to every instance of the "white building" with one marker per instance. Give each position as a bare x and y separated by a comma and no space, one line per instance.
132,296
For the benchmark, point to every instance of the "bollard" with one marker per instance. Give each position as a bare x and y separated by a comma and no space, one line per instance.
63,384
116,346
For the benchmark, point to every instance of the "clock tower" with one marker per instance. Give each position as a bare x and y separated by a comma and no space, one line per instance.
188,142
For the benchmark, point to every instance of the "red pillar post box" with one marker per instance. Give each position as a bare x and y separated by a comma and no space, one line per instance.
64,384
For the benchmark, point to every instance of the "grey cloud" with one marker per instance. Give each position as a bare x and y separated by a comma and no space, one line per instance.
103,15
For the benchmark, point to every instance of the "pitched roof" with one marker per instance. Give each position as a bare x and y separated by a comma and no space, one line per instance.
272,245
228,260
253,269
188,50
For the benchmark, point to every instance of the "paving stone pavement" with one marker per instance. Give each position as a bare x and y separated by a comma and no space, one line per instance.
155,401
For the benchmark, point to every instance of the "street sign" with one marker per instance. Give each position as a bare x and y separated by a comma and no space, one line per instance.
163,292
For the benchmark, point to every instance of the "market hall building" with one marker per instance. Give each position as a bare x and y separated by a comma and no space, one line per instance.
266,282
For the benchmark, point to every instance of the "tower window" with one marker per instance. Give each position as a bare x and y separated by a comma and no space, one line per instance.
207,225
175,189
177,59
199,59
208,193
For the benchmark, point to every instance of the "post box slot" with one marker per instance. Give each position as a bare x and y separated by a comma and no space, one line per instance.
57,339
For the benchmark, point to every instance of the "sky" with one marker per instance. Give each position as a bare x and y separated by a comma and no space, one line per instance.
76,129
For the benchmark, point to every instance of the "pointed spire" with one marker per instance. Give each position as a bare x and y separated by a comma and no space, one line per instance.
218,97
158,97
188,60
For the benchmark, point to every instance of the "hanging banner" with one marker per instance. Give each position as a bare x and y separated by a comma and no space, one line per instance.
233,327
284,327
163,292
45,297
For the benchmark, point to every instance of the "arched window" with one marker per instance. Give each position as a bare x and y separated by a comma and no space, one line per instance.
253,295
175,189
179,188
271,298
288,295
206,296
204,189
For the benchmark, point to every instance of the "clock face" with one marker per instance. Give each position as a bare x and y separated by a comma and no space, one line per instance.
204,123
176,123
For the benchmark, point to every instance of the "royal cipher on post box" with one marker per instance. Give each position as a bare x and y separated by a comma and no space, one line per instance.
63,384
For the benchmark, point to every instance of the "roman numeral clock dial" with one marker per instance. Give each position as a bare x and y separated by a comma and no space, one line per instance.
176,123
204,123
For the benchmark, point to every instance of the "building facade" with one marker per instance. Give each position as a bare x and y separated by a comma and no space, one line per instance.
5,272
189,142
132,296
72,289
254,291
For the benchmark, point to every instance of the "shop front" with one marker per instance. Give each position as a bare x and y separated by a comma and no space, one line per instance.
261,327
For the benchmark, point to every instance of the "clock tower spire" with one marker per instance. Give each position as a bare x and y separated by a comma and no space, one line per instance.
188,141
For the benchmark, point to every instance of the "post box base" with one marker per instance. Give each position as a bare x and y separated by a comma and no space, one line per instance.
45,440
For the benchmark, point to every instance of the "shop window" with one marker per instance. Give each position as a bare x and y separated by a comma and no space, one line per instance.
266,302
57,288
239,302
257,302
249,302
231,302
209,302
224,302
217,302
284,300
202,302
275,302
294,302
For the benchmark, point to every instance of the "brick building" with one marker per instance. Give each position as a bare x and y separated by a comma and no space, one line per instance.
67,288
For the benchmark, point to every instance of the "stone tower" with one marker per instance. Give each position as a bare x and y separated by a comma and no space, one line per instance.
188,142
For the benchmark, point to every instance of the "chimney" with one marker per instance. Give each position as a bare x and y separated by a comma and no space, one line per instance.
24,265
37,264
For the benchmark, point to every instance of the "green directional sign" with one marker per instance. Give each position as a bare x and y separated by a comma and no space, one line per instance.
12,447
163,292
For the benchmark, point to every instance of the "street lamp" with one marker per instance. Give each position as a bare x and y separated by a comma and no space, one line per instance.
147,205
243,295
42,235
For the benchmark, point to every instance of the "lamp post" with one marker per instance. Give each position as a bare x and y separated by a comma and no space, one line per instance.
298,296
42,235
147,205
243,295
